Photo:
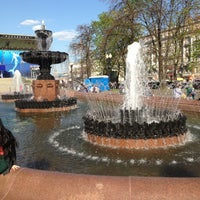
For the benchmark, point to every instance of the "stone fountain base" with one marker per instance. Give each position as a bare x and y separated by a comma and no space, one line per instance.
32,106
15,96
132,132
137,143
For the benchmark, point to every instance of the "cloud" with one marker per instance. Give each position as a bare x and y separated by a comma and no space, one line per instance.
37,27
65,35
30,22
36,24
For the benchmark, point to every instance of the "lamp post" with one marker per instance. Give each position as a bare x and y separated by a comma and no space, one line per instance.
108,58
72,78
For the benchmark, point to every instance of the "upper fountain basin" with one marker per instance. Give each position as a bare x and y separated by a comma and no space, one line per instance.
44,57
43,33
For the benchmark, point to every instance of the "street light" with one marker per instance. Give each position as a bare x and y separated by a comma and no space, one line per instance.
108,58
72,78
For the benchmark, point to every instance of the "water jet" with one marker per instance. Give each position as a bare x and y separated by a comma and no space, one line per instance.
19,89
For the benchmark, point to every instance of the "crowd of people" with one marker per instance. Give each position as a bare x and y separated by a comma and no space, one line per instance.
185,91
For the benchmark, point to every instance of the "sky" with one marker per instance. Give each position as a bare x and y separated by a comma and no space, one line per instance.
62,17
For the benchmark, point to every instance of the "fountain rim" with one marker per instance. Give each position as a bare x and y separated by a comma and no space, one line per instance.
81,186
38,57
41,52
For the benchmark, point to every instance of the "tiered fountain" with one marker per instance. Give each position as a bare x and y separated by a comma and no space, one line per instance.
45,88
136,124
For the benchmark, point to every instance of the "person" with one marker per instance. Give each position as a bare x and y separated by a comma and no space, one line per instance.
95,89
82,88
1,75
121,88
178,91
8,146
190,92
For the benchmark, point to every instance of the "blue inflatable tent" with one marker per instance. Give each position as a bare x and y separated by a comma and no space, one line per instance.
102,82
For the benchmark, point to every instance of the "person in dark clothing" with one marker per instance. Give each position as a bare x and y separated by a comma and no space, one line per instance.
8,146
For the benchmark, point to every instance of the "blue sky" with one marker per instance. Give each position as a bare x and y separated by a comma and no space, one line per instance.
60,16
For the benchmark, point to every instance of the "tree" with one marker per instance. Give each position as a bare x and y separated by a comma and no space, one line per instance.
83,46
163,23
166,20
114,31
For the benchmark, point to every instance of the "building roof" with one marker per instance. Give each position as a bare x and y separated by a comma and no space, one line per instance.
17,42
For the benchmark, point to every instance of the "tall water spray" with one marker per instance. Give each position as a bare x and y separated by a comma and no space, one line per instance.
136,89
44,38
18,83
135,77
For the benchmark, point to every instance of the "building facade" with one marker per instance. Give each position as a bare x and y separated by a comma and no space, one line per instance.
180,52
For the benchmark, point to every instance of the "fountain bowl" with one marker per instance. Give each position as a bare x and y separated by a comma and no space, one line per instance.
43,33
44,58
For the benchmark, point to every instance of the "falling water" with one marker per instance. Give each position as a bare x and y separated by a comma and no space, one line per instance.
134,108
44,38
136,88
18,83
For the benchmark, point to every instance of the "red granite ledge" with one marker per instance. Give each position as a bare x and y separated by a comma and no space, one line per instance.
187,105
137,143
33,184
46,110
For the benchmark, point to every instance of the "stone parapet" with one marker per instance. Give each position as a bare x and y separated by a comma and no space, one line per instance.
32,184
185,105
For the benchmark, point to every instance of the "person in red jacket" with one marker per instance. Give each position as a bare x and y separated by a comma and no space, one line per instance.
8,146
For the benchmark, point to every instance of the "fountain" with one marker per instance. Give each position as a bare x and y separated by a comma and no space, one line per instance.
138,123
45,89
19,91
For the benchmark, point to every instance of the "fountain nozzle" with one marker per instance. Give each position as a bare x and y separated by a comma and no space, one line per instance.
43,25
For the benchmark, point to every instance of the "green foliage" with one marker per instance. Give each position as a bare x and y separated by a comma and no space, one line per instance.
196,49
129,20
